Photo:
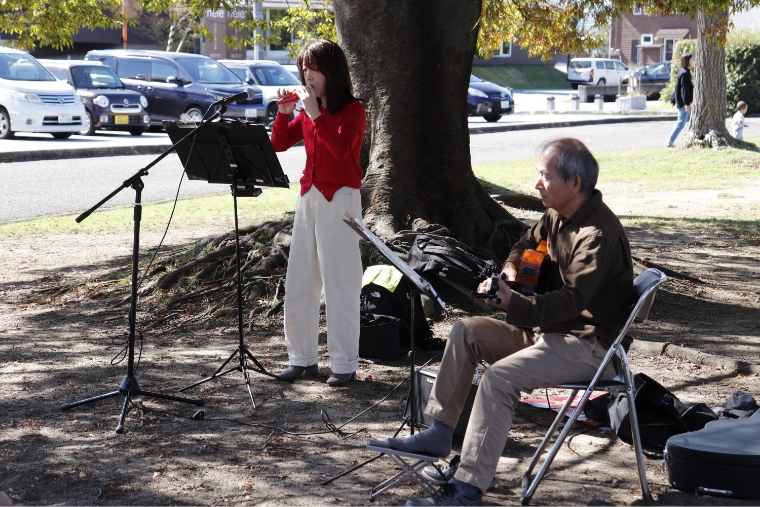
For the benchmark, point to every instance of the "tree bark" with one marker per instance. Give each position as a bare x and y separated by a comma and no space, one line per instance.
707,125
410,63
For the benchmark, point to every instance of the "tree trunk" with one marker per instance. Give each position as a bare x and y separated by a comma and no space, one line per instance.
707,126
410,63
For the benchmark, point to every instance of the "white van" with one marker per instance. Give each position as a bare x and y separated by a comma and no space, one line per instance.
599,71
33,100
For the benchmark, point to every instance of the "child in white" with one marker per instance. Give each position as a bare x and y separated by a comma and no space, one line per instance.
737,124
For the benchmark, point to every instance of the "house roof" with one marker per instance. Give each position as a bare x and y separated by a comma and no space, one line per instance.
672,33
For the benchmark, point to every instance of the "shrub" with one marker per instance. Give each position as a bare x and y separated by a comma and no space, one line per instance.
742,72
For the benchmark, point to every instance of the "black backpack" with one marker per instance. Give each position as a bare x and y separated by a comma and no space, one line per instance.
429,255
378,300
661,414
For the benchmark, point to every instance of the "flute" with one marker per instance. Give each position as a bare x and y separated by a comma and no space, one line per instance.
289,97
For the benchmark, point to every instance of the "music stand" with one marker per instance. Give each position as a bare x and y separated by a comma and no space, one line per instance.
240,155
419,286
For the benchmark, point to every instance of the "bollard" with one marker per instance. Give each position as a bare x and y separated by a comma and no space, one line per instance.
550,104
574,101
599,101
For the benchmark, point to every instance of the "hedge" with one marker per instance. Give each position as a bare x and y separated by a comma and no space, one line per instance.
742,69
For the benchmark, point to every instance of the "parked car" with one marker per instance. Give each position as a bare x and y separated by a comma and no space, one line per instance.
267,75
110,106
488,100
293,69
180,83
658,73
598,71
33,100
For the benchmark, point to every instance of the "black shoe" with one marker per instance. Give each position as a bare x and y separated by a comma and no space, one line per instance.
339,379
293,372
448,494
431,473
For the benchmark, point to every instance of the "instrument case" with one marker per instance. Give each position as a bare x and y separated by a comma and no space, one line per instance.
721,459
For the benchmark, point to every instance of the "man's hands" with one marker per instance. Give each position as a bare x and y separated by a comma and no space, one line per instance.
687,108
504,292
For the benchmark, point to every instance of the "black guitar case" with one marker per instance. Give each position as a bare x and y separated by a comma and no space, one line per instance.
721,459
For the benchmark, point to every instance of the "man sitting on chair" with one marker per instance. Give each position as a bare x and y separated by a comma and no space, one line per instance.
548,339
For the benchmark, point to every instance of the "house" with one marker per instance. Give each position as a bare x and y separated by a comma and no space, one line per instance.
642,39
512,54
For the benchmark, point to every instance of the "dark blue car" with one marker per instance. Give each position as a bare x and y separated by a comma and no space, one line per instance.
180,83
488,100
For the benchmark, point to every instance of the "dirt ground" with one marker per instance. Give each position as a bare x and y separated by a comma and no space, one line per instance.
58,347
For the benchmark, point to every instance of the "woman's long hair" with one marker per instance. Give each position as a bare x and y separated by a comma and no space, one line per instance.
327,58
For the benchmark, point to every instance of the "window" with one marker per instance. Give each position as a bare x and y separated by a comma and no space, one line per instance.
274,76
281,37
130,68
669,45
22,67
647,39
59,74
620,66
505,50
160,71
609,65
599,65
576,64
638,11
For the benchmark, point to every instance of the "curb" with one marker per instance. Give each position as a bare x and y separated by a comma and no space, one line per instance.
106,151
694,356
566,123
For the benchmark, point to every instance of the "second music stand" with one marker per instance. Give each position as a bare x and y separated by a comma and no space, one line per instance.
240,155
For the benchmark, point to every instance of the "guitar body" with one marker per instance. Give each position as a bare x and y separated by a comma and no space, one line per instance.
533,264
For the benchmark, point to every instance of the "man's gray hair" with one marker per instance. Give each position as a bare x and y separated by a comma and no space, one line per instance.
573,158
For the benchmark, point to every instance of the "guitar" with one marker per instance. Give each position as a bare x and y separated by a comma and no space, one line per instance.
528,281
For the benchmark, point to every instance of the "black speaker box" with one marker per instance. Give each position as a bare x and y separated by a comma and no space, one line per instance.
379,337
423,385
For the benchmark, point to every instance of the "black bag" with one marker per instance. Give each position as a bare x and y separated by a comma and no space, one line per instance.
661,415
380,301
721,459
378,336
429,255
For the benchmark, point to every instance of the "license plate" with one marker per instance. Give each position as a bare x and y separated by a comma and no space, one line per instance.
121,119
251,113
505,104
64,118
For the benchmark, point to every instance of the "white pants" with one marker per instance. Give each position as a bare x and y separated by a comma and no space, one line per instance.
324,251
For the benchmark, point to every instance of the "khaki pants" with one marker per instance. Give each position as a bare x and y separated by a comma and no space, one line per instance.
519,361
324,250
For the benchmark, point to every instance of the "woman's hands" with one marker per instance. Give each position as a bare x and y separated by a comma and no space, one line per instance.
285,107
305,95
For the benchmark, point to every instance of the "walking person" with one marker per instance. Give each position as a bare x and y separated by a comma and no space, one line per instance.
738,124
324,251
682,97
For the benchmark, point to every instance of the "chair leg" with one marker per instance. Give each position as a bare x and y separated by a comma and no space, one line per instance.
645,493
529,487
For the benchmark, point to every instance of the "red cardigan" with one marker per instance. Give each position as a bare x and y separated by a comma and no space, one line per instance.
332,142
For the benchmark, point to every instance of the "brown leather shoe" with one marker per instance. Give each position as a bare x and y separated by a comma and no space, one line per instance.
339,379
293,372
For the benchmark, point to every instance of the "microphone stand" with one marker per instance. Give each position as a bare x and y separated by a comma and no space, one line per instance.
129,387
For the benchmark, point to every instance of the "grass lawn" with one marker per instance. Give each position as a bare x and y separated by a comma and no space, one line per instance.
523,76
273,203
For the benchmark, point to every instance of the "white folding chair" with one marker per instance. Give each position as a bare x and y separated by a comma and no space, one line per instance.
645,286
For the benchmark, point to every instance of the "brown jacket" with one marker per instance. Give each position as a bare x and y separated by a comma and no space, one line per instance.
592,276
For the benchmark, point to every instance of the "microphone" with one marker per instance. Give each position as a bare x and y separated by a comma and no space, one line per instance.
247,94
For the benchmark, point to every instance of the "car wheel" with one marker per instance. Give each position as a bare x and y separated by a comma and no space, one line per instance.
5,124
138,131
62,135
195,114
271,113
88,129
601,82
492,117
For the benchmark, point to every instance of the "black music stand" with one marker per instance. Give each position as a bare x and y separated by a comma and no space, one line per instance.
419,286
129,386
240,155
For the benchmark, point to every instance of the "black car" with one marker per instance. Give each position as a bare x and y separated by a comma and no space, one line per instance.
658,73
109,105
178,84
488,100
